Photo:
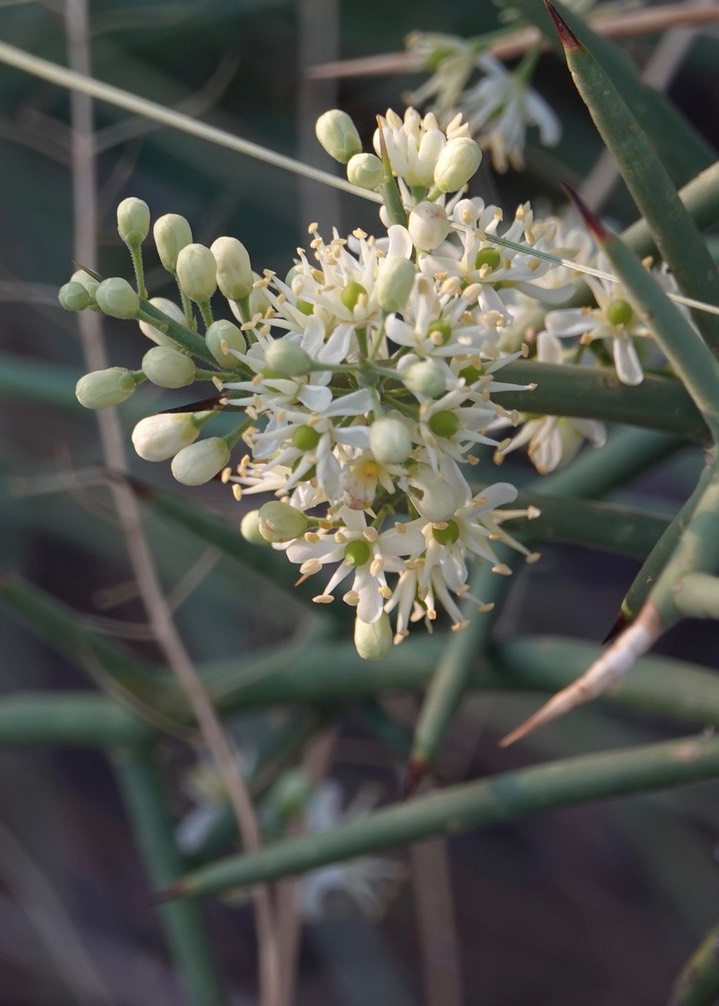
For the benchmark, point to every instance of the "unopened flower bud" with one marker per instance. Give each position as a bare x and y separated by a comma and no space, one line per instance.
133,220
424,379
167,307
365,170
338,135
200,462
172,233
117,298
234,272
373,640
74,297
158,438
250,528
278,521
428,226
220,332
168,367
85,279
197,272
389,440
457,163
394,283
103,388
290,793
285,357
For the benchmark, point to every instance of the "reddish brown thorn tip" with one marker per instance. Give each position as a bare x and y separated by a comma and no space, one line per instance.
619,626
594,224
416,769
566,36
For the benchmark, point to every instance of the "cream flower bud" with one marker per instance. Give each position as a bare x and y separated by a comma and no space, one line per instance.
168,368
394,283
103,388
234,272
428,226
250,528
373,640
424,379
74,297
285,357
85,279
133,220
167,307
172,233
116,298
220,332
456,164
158,438
197,272
338,135
278,521
200,462
365,170
389,440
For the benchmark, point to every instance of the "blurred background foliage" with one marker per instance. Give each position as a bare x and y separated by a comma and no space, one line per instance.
581,907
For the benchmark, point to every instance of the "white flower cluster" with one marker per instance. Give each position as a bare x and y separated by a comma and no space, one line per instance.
364,379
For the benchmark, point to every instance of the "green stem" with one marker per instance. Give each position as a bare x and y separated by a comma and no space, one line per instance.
457,809
206,312
136,255
69,720
183,922
185,336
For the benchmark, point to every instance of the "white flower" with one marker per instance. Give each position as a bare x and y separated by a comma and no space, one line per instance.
500,108
553,440
368,881
613,318
453,60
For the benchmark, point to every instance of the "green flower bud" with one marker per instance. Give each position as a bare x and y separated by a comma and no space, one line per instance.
389,440
444,423
103,388
168,368
281,522
234,272
458,161
85,279
133,220
365,170
225,332
373,640
172,233
305,438
433,497
424,379
447,535
158,438
197,272
167,307
394,283
428,226
290,793
286,358
357,552
200,462
74,297
619,312
488,256
250,528
338,135
116,298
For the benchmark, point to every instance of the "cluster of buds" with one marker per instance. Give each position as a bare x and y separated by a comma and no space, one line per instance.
363,379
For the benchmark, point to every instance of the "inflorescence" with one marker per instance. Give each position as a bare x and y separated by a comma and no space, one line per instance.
363,379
